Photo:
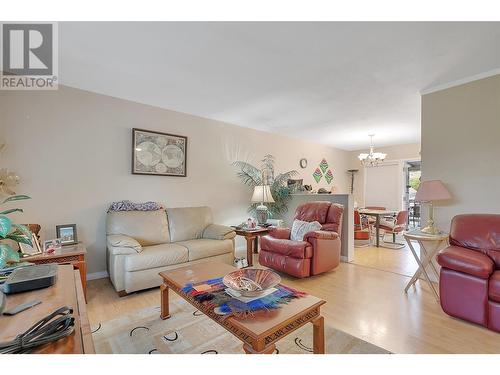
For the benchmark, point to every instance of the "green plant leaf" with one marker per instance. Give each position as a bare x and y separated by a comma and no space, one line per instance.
7,255
18,237
23,229
6,212
5,225
16,198
248,174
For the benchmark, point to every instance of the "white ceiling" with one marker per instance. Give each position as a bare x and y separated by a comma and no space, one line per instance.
330,82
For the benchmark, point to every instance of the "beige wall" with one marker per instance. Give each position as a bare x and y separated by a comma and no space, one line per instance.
73,151
394,153
461,146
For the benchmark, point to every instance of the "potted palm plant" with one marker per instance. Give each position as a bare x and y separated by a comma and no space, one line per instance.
253,176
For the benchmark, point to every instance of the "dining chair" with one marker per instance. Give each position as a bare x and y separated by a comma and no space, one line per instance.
362,232
396,226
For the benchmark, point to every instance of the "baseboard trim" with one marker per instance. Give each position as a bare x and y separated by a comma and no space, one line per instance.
97,275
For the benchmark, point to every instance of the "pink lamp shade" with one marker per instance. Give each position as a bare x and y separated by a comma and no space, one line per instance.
433,190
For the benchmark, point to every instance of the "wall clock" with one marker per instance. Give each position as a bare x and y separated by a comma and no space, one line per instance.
303,163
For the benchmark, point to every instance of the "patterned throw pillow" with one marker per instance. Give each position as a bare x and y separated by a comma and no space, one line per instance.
300,228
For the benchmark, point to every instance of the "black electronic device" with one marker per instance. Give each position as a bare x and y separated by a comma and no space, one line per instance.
29,278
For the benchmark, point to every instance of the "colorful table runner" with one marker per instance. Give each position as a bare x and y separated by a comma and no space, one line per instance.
216,298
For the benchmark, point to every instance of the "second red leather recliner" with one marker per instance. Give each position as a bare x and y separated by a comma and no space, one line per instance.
470,275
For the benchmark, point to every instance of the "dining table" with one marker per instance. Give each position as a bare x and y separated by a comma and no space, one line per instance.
377,214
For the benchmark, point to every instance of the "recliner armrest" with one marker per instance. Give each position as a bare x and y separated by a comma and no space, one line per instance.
218,232
468,261
280,233
119,244
321,235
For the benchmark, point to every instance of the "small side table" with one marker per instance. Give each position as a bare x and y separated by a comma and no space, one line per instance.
71,254
429,246
252,237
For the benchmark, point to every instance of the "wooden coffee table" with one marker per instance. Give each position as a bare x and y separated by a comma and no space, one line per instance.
258,333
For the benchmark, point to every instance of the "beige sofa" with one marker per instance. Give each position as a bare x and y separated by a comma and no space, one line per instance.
140,244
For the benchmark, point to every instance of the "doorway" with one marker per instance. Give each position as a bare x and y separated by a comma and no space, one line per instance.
412,178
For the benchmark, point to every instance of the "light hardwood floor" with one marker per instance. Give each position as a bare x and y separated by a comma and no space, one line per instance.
363,301
399,261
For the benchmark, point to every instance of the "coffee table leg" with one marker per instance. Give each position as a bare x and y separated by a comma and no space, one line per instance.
165,313
249,251
266,350
319,335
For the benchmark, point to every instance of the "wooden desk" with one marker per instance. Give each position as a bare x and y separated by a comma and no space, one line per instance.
67,291
73,254
252,237
376,214
258,333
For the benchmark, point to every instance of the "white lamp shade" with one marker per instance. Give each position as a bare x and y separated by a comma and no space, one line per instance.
433,190
262,194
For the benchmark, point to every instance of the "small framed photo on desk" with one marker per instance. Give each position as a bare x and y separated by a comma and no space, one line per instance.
28,250
67,234
50,246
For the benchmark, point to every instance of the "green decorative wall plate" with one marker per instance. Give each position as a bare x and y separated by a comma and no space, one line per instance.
317,175
323,165
329,176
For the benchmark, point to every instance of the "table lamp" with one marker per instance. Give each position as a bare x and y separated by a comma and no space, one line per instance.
430,192
262,194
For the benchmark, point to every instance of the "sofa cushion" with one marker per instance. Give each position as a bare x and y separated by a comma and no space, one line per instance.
146,227
121,241
494,287
204,248
283,233
313,211
157,256
476,231
334,218
294,249
188,223
218,232
293,266
467,261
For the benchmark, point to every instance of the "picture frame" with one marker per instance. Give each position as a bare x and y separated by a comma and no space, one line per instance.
28,250
158,154
54,244
67,233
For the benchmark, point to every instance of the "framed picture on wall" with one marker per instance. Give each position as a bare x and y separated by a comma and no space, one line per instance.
67,234
158,154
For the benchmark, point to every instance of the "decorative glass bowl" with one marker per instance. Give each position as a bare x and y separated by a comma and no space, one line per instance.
251,282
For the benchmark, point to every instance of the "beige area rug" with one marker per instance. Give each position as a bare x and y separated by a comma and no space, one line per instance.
188,331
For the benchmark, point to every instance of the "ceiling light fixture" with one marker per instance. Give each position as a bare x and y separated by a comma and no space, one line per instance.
373,158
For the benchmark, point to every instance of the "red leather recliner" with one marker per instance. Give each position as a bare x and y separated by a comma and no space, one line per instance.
470,275
317,253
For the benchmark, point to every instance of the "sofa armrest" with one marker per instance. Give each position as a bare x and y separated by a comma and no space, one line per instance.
218,232
468,261
280,233
321,235
119,244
